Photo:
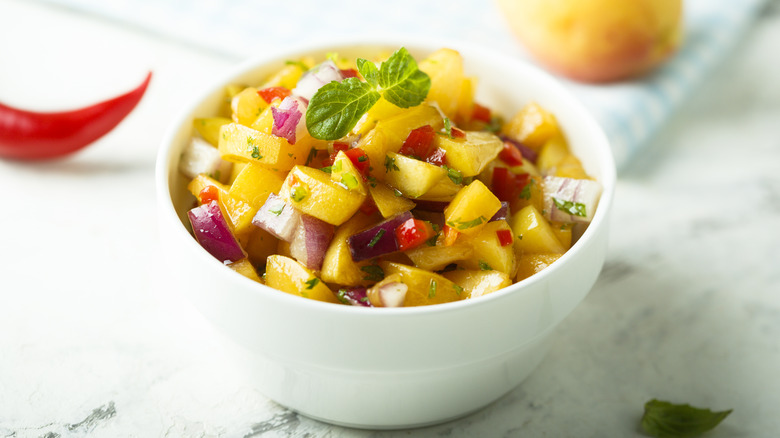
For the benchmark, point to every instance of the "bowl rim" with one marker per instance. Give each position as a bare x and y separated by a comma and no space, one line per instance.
167,211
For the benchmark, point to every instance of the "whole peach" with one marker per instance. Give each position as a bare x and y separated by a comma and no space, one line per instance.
597,40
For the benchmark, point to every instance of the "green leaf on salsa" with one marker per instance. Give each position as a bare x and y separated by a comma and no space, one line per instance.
336,108
666,420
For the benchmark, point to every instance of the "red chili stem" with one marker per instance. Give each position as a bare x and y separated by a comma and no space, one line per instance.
30,135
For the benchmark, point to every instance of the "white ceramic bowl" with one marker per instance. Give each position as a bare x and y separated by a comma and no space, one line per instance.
391,368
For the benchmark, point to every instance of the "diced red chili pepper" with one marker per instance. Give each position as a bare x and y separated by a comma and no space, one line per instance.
437,157
349,73
337,146
503,184
369,206
271,93
450,235
481,113
419,142
208,194
457,133
413,233
504,237
511,155
360,160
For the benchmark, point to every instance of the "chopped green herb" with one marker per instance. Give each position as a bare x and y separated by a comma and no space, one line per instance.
465,225
341,295
300,64
304,294
328,169
519,237
372,181
666,420
447,127
333,56
349,181
364,299
312,155
290,154
277,208
375,273
362,158
432,289
336,107
376,238
256,153
484,266
298,193
526,192
495,124
455,175
573,208
390,163
311,283
458,289
397,193
336,166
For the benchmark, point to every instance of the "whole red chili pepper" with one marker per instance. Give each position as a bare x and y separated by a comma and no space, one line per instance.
29,135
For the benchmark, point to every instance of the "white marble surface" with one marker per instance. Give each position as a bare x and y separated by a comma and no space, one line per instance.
92,342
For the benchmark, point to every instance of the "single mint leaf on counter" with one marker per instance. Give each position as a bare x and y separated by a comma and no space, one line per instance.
667,420
403,84
369,71
336,108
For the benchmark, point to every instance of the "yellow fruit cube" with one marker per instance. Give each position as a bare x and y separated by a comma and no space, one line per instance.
388,201
443,191
314,193
344,173
472,207
245,268
478,283
397,128
287,275
288,75
445,67
435,258
571,167
260,244
563,232
532,126
208,128
533,234
425,287
412,177
488,253
530,264
240,143
338,266
254,184
551,154
470,155
247,106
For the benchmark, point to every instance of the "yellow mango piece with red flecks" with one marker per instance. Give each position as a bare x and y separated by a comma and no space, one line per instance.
476,283
313,192
533,234
488,252
397,128
471,208
530,264
245,268
287,275
238,143
532,126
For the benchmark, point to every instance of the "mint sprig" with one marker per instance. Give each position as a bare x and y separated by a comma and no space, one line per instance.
666,420
336,107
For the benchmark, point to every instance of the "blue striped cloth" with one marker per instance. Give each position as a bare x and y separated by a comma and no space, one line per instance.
630,112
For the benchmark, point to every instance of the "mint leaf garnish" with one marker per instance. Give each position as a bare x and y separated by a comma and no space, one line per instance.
336,107
667,420
403,83
369,71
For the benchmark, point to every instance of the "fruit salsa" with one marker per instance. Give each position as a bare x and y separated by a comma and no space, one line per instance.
383,183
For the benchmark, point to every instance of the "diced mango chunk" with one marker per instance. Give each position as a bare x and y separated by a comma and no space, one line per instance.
388,201
241,143
287,275
245,268
338,266
530,264
435,258
533,234
425,287
532,126
209,127
247,106
344,173
470,155
314,193
488,253
478,283
445,68
472,207
412,177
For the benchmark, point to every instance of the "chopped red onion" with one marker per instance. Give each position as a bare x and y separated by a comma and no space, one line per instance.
201,157
391,294
310,241
315,78
211,230
569,199
357,296
502,212
287,117
278,218
377,240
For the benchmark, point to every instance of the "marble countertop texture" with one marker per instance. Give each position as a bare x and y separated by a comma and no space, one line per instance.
92,343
